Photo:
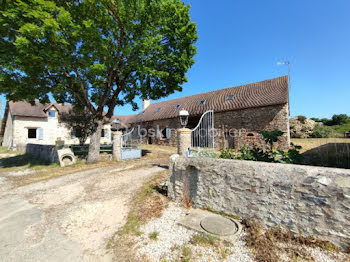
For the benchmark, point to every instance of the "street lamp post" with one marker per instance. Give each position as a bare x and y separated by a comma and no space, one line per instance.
183,117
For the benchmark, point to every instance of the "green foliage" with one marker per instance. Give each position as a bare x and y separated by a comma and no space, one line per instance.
292,156
342,128
322,131
302,119
154,235
78,121
271,137
316,119
96,54
340,119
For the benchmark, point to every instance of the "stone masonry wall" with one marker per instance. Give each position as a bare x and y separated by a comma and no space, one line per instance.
233,128
243,127
306,199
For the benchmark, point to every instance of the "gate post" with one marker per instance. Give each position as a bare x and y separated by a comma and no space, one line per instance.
183,140
117,145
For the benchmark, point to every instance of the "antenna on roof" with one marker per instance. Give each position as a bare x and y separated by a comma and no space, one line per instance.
287,63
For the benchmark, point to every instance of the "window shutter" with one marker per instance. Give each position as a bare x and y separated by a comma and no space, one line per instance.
168,132
41,133
73,133
107,133
158,132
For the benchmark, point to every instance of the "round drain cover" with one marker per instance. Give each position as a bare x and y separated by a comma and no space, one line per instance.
219,225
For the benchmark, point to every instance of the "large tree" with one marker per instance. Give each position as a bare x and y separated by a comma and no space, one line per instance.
94,54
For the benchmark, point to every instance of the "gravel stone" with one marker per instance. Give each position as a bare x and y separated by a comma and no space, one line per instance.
172,237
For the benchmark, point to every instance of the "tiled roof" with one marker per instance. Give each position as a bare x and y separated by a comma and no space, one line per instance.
23,108
264,93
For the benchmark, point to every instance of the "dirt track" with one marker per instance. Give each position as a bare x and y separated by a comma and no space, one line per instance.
70,218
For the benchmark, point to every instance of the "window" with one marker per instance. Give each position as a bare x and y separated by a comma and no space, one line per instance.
158,109
230,97
52,113
166,133
105,133
202,102
177,106
31,132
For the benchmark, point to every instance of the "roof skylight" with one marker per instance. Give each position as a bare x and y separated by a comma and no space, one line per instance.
177,106
202,102
229,97
158,109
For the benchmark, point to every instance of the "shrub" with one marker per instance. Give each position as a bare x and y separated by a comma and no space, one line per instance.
302,119
340,119
316,119
322,131
292,156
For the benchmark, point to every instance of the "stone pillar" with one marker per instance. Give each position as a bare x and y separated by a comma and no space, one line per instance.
183,140
116,144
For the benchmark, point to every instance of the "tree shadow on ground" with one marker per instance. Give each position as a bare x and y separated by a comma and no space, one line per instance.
329,155
145,152
22,161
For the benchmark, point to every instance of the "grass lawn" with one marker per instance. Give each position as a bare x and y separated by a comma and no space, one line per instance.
331,152
311,143
342,128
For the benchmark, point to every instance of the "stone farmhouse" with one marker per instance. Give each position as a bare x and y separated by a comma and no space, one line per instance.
24,123
240,114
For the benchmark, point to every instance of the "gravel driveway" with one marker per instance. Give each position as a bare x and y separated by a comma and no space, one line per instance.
70,218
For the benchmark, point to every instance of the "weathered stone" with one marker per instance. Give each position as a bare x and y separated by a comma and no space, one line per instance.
324,181
116,151
328,211
302,190
315,199
298,201
301,129
183,141
343,182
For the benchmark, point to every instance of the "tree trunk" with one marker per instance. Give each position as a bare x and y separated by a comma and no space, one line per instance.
94,147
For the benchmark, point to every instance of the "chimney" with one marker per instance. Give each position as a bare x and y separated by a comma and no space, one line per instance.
145,103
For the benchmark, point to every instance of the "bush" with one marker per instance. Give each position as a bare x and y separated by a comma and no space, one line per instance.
322,131
302,119
340,119
292,156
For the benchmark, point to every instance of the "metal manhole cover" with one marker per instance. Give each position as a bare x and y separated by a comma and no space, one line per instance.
218,225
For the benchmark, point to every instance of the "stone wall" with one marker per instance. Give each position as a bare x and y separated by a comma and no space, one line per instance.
306,199
233,128
243,127
47,153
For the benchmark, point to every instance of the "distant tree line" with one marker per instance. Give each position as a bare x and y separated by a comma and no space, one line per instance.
340,119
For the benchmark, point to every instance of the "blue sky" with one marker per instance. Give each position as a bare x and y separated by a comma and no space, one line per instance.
240,41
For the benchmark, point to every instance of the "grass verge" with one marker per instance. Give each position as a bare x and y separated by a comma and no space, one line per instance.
146,204
270,245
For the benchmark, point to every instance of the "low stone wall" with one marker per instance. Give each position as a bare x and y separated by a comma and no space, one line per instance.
305,199
45,152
